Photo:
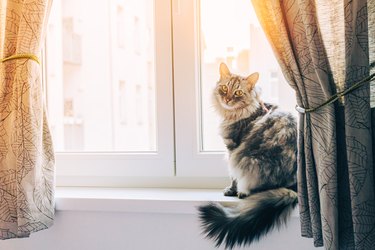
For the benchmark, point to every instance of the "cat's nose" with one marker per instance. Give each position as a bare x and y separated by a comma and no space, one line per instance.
227,99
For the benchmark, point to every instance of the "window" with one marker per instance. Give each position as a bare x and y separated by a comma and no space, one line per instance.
137,35
129,84
122,105
72,40
94,141
120,26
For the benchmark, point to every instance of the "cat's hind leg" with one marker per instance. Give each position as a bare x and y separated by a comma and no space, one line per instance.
232,189
248,182
243,188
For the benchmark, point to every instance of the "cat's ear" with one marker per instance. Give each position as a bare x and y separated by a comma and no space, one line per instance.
224,71
252,80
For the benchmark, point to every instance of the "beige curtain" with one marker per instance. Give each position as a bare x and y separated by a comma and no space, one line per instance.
323,47
26,153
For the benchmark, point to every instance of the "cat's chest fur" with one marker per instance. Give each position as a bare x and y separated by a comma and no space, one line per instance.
234,133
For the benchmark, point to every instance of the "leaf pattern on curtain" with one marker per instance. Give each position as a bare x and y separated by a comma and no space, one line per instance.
358,100
26,152
362,29
364,225
7,208
359,160
327,233
371,42
322,47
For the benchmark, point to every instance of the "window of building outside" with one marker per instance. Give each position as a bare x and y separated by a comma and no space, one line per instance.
129,83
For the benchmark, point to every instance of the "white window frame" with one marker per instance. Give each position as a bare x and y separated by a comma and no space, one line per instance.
179,161
191,159
112,169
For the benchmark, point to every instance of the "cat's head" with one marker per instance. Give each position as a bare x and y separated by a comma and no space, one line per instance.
235,95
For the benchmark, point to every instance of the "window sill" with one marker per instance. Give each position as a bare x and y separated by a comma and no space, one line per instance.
138,200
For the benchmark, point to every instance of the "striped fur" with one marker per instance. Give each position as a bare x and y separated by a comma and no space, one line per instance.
261,143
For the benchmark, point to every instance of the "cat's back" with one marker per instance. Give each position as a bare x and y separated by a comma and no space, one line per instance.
278,119
277,128
265,130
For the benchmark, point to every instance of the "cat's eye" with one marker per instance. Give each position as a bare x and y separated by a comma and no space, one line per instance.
224,88
238,93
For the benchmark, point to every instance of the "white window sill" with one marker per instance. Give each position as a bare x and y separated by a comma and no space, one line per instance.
138,200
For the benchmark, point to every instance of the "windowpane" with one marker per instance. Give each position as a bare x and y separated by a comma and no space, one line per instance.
100,75
230,33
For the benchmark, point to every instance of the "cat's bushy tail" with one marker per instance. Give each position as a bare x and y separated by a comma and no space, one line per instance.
251,219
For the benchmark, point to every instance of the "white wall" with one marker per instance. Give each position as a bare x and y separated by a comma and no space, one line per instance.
133,231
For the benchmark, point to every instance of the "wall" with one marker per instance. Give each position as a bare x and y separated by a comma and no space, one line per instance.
133,231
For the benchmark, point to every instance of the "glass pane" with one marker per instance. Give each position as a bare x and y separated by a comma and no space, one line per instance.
100,75
230,33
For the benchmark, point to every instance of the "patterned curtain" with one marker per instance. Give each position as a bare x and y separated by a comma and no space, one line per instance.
26,153
323,48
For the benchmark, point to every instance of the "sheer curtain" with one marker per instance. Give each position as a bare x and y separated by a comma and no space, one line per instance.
323,48
26,153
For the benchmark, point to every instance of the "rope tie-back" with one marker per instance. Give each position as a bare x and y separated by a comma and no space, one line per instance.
335,97
21,56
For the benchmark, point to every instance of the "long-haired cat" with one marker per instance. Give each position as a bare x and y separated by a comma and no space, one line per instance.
261,144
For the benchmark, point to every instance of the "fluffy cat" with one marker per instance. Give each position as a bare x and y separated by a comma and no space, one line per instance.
262,143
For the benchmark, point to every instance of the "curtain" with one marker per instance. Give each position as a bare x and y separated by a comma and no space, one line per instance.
26,153
323,48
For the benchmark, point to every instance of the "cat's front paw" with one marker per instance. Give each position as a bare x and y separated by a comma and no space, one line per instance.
230,191
242,195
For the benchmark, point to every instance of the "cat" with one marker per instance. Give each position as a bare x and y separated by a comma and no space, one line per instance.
261,142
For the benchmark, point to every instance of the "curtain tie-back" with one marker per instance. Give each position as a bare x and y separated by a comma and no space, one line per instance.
22,56
335,97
